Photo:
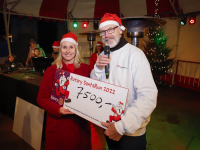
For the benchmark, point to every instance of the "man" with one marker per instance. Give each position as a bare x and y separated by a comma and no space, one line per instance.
36,53
129,68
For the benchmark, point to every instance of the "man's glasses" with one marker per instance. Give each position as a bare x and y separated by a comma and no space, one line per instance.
110,31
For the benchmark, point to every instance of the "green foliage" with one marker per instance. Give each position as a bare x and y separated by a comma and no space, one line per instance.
157,53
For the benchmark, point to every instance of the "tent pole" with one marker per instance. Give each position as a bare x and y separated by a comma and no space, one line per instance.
6,27
173,7
176,52
8,21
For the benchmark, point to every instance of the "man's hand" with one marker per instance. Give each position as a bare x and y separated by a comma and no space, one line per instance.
111,132
102,61
64,111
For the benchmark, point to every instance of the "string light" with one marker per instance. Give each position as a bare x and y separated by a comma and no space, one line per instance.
157,52
156,10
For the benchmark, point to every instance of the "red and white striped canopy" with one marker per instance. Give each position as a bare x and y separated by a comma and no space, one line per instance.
96,8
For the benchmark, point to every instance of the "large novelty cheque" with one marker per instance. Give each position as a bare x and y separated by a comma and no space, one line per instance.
91,99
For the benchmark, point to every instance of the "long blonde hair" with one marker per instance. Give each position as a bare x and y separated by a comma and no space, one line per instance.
77,59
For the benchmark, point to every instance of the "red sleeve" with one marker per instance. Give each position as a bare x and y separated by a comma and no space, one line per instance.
113,110
66,83
45,89
93,60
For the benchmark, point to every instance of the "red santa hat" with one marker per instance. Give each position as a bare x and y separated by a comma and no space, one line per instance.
121,103
99,43
56,44
111,19
70,37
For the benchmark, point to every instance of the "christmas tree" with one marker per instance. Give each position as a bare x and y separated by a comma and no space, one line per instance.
157,53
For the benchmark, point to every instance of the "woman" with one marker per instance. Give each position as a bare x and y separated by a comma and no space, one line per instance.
64,130
99,48
31,52
55,46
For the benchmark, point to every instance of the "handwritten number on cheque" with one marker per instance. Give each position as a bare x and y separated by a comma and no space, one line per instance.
92,96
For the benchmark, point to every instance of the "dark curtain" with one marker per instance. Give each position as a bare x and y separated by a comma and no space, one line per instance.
3,43
47,32
23,29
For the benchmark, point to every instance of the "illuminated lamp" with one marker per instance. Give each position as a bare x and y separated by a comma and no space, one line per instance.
85,24
192,20
75,24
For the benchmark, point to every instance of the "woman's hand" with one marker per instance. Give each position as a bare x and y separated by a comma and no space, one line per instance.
102,61
65,111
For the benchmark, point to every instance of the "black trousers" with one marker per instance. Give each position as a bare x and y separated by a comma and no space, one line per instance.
128,143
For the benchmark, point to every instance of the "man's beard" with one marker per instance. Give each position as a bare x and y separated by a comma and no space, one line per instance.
115,41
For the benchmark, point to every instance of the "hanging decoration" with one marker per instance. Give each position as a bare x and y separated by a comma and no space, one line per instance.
156,11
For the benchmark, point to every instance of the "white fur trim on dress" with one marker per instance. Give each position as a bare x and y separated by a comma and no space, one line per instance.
69,40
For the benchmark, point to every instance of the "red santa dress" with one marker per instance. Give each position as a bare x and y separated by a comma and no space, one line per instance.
69,132
93,60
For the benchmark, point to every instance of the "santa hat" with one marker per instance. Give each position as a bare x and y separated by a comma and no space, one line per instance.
70,37
111,19
99,43
56,44
121,103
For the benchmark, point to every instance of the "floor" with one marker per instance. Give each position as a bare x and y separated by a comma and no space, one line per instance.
174,123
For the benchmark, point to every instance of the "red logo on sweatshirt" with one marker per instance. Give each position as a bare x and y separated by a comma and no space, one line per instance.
121,67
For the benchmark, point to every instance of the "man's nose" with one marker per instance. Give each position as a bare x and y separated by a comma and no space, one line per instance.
107,34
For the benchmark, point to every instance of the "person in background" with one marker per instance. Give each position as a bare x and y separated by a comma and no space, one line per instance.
55,46
99,48
36,53
64,130
129,68
31,51
12,64
42,53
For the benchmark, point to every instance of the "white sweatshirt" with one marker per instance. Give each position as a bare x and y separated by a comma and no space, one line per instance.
130,68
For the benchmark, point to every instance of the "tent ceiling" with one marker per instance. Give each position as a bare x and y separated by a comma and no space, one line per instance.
96,8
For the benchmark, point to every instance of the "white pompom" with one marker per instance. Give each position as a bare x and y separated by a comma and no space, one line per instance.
122,27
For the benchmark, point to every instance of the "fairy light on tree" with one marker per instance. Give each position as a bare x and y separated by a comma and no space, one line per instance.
156,50
157,53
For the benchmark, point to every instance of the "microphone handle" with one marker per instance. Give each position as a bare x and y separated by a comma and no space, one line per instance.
107,67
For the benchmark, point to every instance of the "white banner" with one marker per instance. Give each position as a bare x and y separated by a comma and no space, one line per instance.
93,100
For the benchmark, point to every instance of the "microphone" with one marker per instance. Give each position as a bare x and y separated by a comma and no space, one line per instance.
107,67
